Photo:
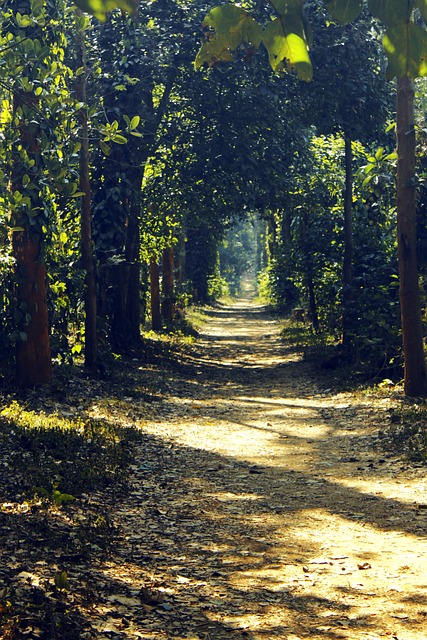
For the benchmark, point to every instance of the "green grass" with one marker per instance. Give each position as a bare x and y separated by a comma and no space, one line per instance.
51,456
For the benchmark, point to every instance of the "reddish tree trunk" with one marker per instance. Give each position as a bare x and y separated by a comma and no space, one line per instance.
33,357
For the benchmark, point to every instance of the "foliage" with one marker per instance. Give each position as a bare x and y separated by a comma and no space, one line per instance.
57,457
408,432
287,35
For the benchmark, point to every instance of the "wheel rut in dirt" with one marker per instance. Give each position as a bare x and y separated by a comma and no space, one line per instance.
262,507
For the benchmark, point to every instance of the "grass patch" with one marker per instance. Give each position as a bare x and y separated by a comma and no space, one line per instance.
53,457
408,431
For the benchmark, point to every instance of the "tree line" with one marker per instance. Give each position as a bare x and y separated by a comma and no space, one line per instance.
123,168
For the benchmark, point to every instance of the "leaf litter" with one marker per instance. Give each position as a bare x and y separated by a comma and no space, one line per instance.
252,505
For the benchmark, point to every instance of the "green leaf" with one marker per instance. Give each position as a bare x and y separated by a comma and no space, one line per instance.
406,48
60,579
286,42
391,12
379,153
134,122
422,6
62,498
105,148
99,8
344,10
232,27
119,139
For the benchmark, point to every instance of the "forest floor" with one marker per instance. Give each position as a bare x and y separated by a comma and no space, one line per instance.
259,505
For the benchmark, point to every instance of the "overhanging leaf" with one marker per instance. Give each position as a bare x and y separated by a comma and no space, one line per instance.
391,12
406,48
285,42
232,26
99,8
344,10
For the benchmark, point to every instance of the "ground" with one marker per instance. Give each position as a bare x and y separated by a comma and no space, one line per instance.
260,505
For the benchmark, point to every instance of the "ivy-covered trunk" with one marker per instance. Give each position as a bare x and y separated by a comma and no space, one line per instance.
410,306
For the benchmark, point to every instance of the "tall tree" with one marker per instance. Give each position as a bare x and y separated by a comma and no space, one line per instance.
286,39
91,338
33,356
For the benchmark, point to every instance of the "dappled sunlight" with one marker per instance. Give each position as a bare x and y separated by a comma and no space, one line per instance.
258,507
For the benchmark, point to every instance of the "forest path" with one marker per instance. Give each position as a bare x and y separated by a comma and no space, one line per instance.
260,506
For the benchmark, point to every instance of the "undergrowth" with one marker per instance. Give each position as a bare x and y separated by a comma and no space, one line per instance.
340,368
408,431
53,457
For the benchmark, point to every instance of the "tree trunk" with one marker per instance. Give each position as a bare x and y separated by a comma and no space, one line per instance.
156,318
124,288
410,307
91,338
312,301
180,258
133,309
33,356
167,286
347,295
133,273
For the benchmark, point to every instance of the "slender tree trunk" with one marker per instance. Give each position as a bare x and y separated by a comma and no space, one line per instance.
167,285
133,308
312,301
91,338
33,356
410,306
180,258
347,297
156,318
132,315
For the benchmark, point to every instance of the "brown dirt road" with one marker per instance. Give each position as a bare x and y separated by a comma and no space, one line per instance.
262,507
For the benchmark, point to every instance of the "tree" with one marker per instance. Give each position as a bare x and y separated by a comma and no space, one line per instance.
91,338
29,27
286,39
349,96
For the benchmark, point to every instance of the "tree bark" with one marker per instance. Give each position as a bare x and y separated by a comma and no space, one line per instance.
415,381
125,320
347,295
180,258
156,318
167,286
91,337
33,356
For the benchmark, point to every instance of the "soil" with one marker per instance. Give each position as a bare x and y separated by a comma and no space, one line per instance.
261,505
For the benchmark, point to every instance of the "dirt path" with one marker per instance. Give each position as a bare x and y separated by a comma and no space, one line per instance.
261,507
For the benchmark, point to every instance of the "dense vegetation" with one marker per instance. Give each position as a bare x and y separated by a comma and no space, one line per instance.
154,158
135,185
